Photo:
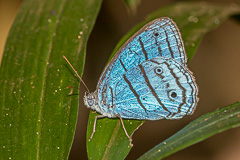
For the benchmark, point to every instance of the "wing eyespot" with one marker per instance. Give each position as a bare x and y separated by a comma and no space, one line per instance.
156,34
158,70
172,95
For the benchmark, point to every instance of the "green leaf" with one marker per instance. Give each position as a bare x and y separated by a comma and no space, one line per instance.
109,141
194,19
37,112
198,130
132,5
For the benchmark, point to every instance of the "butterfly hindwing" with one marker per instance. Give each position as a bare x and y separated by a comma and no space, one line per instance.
155,89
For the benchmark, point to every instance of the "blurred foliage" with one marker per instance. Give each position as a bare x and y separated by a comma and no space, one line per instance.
132,5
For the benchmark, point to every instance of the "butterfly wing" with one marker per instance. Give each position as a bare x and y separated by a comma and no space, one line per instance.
159,38
155,89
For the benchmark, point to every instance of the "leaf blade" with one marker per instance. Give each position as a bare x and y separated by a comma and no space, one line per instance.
37,115
198,130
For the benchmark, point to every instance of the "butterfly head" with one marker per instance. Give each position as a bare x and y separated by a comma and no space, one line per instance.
90,101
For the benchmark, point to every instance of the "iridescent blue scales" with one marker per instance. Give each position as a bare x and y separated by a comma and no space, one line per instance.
148,78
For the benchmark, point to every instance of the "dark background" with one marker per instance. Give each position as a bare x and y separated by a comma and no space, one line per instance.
216,67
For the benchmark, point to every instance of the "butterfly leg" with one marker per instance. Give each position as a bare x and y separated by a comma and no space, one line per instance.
130,138
94,125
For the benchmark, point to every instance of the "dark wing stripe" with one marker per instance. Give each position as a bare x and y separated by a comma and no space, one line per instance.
151,88
112,96
191,89
143,49
180,55
169,46
154,61
192,100
191,92
159,48
122,64
134,92
180,86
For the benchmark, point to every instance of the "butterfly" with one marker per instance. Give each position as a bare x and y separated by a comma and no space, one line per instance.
147,79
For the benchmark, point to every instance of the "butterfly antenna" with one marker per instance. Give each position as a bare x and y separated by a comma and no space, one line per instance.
76,73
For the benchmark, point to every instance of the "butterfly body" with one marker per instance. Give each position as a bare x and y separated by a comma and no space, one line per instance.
148,78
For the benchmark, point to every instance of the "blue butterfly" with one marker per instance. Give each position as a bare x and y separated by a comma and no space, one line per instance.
147,79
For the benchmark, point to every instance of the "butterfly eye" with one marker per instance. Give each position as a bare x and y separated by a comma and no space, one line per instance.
90,101
158,70
156,34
